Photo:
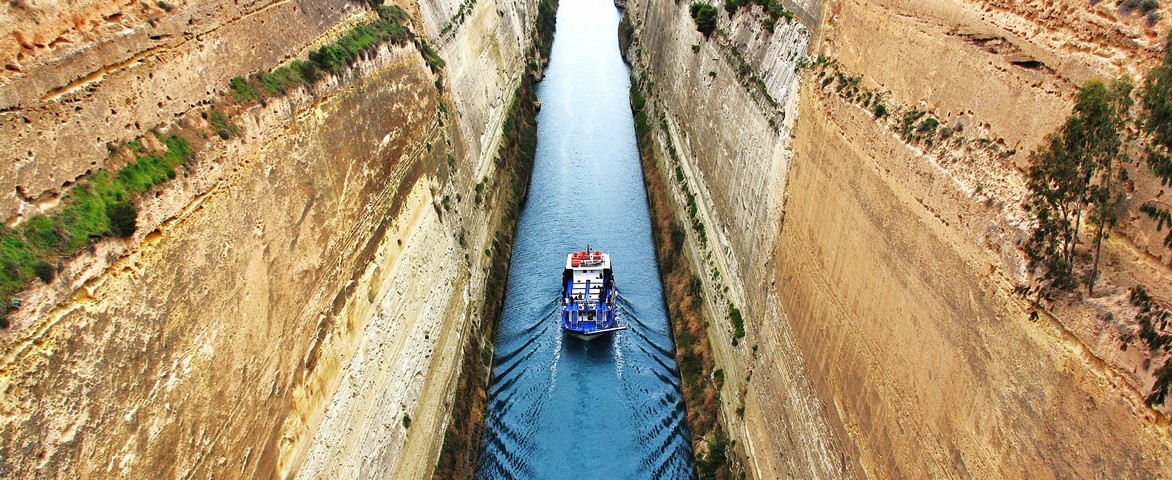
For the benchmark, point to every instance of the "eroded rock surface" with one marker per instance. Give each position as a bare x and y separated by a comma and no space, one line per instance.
300,290
877,275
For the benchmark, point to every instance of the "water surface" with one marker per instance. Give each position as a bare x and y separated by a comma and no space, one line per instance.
561,408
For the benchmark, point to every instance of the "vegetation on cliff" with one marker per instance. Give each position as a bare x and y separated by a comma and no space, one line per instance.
1155,121
461,448
1079,176
99,206
1079,180
103,204
1153,320
912,125
1075,177
336,57
705,17
1147,8
773,9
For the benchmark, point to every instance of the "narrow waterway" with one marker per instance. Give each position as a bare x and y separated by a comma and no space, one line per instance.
559,407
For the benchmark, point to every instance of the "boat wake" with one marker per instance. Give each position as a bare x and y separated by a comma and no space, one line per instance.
545,381
559,406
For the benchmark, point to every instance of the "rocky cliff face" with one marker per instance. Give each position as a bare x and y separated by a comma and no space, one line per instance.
297,302
877,270
79,76
726,106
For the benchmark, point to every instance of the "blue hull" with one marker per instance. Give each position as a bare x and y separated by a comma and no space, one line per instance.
588,297
587,330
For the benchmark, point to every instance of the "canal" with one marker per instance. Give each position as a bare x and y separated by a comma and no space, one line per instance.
559,407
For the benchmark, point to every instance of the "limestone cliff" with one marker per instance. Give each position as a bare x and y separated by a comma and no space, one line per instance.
878,273
295,303
729,118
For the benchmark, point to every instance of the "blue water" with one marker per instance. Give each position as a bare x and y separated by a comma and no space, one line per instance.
561,408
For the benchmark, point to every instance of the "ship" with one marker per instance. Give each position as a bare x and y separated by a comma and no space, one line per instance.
588,295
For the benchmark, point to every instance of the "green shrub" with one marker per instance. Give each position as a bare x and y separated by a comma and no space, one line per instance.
123,218
279,81
690,370
1162,384
908,122
150,170
738,322
705,17
329,58
638,101
928,126
433,59
44,270
774,9
1151,313
242,90
43,233
306,70
696,290
221,125
708,467
486,352
1145,7
1162,216
16,260
84,216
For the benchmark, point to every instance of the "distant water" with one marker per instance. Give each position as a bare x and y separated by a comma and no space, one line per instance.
561,408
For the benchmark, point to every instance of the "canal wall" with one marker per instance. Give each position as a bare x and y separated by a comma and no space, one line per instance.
302,298
721,113
299,299
877,273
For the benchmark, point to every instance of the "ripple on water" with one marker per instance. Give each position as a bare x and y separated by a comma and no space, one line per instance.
560,407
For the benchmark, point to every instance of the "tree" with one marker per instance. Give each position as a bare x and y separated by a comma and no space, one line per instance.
1155,121
1106,194
1077,168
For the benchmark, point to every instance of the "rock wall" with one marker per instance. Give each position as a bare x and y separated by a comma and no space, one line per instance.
297,302
877,276
79,76
726,105
931,361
